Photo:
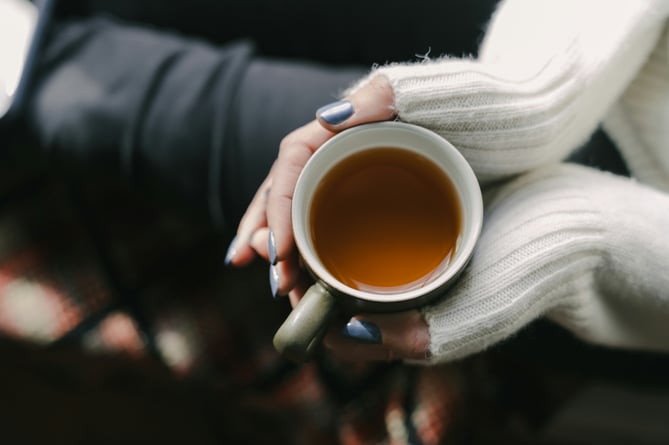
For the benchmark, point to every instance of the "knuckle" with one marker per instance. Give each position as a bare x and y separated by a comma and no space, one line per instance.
286,143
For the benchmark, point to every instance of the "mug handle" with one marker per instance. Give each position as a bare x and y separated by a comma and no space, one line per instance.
301,333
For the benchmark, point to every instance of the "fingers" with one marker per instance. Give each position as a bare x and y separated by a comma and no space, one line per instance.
371,103
381,337
241,251
270,207
294,152
266,227
298,290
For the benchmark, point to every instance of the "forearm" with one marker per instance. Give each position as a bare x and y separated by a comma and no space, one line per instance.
546,74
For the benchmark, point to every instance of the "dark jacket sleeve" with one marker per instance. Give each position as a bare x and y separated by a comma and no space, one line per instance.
146,104
174,115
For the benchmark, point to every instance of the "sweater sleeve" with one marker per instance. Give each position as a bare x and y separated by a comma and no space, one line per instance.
637,123
584,248
545,76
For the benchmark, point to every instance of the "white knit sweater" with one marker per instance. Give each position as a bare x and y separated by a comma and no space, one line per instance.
566,244
548,73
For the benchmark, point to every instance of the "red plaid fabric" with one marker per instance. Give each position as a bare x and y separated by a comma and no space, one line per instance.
105,271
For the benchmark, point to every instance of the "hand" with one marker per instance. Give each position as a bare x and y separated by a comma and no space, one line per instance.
266,228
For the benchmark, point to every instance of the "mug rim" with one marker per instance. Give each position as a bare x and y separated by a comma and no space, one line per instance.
460,167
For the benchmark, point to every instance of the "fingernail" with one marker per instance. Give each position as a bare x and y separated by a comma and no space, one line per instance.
362,331
271,247
336,112
274,280
232,251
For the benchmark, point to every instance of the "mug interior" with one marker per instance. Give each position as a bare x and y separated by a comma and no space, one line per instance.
404,136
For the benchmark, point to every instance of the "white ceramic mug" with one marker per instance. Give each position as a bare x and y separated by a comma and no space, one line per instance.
301,333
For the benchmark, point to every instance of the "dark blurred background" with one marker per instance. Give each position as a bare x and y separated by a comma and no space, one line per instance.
120,324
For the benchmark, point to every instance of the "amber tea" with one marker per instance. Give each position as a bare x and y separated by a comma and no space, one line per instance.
385,220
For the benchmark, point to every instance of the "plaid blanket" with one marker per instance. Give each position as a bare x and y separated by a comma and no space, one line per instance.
120,323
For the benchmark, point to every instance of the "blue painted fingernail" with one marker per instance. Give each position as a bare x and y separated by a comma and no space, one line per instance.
232,251
336,112
363,331
274,280
271,247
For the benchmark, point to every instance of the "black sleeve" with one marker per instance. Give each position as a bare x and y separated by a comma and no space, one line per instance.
173,114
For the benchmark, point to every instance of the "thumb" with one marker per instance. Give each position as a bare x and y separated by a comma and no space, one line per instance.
372,102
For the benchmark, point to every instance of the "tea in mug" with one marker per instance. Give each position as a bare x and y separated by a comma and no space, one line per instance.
384,220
